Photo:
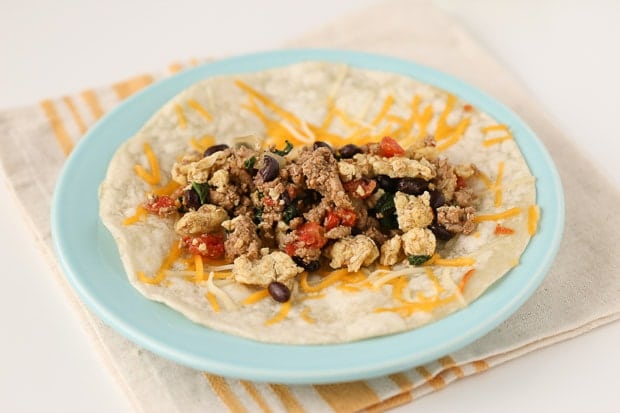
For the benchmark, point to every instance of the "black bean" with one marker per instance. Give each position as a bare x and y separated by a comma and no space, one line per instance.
191,199
270,169
440,231
437,199
412,186
279,291
286,198
308,266
321,144
215,148
348,151
386,183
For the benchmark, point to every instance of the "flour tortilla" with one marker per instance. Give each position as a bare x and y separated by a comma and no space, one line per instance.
305,89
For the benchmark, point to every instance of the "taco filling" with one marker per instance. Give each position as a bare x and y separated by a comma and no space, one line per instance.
318,203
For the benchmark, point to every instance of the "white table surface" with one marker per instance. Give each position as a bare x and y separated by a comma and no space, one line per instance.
566,54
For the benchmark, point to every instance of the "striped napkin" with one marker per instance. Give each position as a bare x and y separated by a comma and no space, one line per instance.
572,300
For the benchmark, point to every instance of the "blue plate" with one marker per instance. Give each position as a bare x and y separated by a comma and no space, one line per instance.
89,258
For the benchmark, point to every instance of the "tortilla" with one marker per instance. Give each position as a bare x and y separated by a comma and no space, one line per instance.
296,102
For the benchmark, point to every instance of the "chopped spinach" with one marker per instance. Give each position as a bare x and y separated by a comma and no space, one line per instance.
389,221
286,149
290,212
258,215
203,192
418,259
385,211
385,203
249,163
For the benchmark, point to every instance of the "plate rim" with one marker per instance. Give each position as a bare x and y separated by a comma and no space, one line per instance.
550,225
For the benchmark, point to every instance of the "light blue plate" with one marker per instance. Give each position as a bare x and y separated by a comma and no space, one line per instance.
89,258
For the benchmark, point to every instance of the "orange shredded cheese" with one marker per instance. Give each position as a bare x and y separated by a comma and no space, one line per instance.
533,215
213,301
181,116
306,316
449,262
501,230
167,189
284,114
494,141
140,212
154,177
200,273
498,183
387,104
466,278
477,234
332,278
173,255
491,128
455,136
500,215
286,307
484,178
200,109
255,297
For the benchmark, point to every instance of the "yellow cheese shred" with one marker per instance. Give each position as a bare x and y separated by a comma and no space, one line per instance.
286,307
200,109
442,131
387,104
181,116
213,301
484,178
500,215
140,212
450,262
154,177
199,272
455,136
325,282
306,316
498,183
491,128
284,114
465,278
167,189
173,255
495,141
255,297
533,215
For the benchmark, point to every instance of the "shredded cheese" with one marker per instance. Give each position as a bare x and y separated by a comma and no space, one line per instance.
220,294
154,177
502,230
167,189
500,215
495,141
332,278
498,183
491,128
173,255
466,278
200,109
533,215
304,314
213,301
455,136
255,297
137,216
387,104
450,262
181,116
286,307
199,268
484,178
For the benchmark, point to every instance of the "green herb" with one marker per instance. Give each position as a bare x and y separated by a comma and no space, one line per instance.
389,221
289,213
385,203
418,259
258,215
286,149
249,163
202,190
260,195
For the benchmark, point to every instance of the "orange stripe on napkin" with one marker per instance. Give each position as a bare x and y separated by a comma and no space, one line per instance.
131,86
256,396
62,137
175,67
222,389
77,118
390,403
93,104
348,397
402,381
480,366
286,397
448,363
436,382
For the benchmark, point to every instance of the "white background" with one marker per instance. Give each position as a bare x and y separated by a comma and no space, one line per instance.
566,53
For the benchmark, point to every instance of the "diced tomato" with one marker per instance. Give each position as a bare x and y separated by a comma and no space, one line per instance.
347,217
360,188
290,249
161,205
269,201
206,245
388,147
311,234
332,220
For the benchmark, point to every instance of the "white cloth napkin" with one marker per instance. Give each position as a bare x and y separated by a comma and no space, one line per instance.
582,290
